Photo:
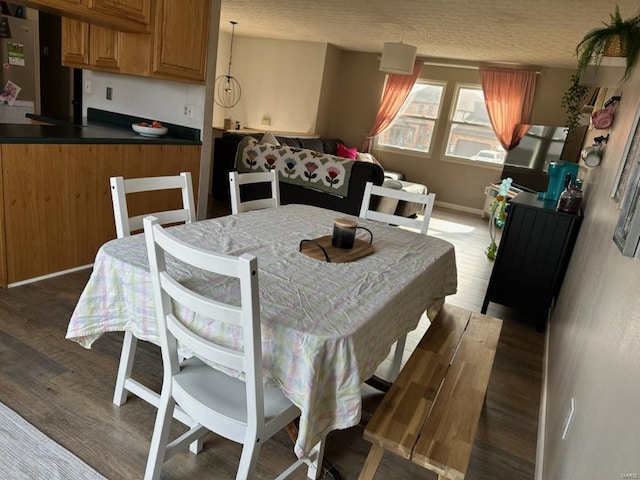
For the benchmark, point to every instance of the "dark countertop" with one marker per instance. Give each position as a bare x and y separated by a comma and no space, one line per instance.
99,127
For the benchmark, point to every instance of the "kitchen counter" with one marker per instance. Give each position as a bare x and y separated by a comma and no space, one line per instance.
55,207
99,127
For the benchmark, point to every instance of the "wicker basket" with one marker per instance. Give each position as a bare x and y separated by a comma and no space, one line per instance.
615,48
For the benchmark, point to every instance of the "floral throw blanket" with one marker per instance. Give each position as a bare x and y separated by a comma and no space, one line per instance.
298,166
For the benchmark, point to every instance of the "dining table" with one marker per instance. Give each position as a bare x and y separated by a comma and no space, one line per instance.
326,326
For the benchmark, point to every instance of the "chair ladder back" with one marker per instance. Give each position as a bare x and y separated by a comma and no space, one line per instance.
245,316
120,187
427,200
236,180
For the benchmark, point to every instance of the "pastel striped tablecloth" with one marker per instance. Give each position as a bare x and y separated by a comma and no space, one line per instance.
325,326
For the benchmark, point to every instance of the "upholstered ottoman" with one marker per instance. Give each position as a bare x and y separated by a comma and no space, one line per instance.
402,208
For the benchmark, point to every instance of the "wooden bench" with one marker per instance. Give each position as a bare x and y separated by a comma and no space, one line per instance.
431,412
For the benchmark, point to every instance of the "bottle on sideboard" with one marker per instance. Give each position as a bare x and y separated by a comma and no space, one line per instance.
571,197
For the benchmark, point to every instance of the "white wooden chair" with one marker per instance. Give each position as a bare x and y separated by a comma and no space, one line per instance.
237,179
120,187
422,224
242,411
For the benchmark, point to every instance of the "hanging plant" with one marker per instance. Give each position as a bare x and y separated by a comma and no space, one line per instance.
573,102
618,38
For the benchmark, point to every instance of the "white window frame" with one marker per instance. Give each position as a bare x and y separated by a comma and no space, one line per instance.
451,122
411,151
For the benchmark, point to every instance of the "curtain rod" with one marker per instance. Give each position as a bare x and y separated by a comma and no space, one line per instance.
460,65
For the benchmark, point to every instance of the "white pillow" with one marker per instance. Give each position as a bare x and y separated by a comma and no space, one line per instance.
367,157
268,138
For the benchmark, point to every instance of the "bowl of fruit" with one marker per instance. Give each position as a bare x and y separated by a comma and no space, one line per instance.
153,129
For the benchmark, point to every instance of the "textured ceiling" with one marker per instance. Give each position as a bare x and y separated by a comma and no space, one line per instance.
522,32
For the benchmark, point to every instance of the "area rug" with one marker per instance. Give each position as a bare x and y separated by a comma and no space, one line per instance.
28,454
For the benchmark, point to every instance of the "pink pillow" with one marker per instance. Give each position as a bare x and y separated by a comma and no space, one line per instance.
345,152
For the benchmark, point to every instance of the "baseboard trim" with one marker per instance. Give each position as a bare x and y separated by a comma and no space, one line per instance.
49,275
459,208
542,416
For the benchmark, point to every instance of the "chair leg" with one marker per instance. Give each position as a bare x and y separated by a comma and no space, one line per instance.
397,357
248,459
125,367
160,438
317,456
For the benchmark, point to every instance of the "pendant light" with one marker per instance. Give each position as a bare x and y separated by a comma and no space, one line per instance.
398,58
227,88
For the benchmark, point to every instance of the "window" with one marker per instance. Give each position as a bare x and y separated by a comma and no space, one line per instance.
413,127
470,134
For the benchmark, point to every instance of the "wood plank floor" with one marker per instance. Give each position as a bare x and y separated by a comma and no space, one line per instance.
66,390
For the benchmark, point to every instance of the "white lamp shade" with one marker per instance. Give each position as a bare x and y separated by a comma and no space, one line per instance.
398,58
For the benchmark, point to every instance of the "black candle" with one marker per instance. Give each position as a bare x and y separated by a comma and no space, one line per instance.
344,233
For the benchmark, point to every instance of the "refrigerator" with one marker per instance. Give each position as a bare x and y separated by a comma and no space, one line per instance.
20,71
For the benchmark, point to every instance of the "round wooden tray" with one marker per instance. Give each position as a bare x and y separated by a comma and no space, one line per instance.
321,249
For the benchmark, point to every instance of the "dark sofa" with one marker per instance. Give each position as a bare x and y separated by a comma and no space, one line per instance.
224,154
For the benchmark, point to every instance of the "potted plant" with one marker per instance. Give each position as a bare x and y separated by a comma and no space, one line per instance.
618,38
573,102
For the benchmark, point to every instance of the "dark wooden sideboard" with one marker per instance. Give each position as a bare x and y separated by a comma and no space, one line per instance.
533,256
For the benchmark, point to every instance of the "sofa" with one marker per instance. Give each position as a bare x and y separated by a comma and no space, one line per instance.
224,159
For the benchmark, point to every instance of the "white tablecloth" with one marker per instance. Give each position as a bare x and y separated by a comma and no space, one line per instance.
325,326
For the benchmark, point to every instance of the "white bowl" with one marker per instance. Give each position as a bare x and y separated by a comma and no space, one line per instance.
149,131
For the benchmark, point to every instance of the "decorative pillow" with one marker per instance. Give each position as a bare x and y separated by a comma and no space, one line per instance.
367,157
345,152
269,139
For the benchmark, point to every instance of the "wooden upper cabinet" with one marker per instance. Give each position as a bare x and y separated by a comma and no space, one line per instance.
75,43
103,47
121,15
181,33
137,10
176,50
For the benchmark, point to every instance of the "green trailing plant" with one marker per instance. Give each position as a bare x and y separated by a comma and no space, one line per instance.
573,101
594,44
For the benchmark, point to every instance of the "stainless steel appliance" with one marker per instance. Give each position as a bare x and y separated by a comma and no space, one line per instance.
20,64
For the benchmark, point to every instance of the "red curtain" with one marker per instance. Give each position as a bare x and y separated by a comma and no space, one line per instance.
396,91
508,95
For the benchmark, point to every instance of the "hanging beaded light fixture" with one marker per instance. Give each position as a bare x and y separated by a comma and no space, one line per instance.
227,89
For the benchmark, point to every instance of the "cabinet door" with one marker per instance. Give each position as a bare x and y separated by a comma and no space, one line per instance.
136,10
75,43
103,48
181,36
121,15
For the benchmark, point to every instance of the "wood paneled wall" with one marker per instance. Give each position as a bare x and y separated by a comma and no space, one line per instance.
56,208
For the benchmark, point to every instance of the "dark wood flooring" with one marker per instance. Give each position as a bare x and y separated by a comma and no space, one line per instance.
66,390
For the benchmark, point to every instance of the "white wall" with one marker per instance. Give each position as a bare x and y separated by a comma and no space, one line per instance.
594,335
144,97
280,79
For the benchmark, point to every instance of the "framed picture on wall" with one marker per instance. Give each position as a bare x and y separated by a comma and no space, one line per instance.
630,153
627,233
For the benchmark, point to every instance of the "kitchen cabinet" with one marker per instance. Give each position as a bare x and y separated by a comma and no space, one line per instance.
533,256
121,15
180,39
75,43
55,202
175,50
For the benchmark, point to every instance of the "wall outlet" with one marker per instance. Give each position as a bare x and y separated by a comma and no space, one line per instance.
87,86
568,418
109,93
188,111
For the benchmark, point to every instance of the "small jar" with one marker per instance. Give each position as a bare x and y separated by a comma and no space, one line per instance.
570,200
344,233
